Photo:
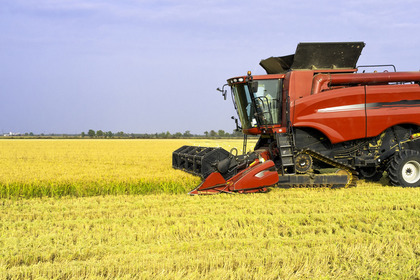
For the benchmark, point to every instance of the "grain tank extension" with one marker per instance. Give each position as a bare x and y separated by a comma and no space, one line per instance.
322,122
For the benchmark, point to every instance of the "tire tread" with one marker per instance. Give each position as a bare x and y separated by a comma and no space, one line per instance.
395,164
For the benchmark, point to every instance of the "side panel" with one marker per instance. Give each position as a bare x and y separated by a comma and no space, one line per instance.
297,84
339,114
389,105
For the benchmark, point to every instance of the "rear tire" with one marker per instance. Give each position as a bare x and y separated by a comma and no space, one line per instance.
404,169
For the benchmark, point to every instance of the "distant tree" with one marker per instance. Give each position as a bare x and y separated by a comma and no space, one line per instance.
109,134
187,133
178,135
31,134
221,133
91,133
120,134
99,133
213,133
83,134
206,133
237,133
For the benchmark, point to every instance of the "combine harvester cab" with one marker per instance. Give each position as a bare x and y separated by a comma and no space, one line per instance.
321,124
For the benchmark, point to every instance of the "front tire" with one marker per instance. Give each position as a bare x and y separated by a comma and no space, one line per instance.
370,174
404,169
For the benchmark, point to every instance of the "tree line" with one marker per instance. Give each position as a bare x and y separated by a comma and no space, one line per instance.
100,134
163,135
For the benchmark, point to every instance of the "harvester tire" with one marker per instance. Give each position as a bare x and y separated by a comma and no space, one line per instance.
370,174
404,169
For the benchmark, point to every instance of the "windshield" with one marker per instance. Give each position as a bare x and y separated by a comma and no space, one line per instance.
260,108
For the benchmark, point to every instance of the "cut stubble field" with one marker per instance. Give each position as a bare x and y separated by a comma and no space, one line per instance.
371,231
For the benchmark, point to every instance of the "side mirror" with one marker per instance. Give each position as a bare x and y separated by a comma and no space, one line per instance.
238,128
223,91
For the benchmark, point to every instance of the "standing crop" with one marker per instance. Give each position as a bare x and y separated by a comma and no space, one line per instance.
371,231
38,168
367,232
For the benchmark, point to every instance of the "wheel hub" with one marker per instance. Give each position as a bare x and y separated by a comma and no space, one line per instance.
303,163
411,171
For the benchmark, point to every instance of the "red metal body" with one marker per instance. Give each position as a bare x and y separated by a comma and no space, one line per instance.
347,106
256,178
352,106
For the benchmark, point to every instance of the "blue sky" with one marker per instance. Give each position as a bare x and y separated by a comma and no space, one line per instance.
154,66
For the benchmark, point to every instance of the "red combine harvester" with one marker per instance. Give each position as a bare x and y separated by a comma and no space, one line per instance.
314,112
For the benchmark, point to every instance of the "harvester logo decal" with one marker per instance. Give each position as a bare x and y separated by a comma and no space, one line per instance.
376,105
354,107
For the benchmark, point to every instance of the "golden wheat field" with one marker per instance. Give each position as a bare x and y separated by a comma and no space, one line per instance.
37,168
115,209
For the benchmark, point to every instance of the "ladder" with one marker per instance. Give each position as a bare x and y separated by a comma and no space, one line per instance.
286,153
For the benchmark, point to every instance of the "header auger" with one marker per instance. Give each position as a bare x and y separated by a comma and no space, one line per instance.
321,122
